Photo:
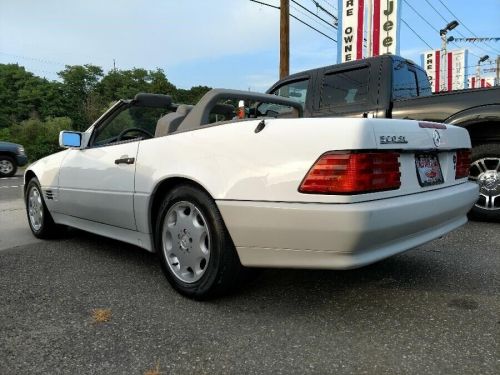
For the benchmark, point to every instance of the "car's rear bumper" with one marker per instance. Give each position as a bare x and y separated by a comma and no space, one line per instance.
341,236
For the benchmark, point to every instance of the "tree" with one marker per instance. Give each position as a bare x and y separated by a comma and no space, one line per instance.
33,110
191,96
82,102
39,138
24,95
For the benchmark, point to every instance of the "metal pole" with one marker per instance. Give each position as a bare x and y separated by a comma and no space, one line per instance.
369,28
442,84
498,71
478,74
284,39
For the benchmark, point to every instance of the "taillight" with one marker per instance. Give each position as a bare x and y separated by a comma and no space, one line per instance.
353,173
463,164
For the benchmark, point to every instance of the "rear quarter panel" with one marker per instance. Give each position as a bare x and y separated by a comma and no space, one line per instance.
233,162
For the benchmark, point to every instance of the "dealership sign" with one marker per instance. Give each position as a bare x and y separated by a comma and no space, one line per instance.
385,27
475,82
446,73
350,30
380,20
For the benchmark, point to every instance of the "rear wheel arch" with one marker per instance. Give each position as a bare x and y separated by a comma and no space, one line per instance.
162,188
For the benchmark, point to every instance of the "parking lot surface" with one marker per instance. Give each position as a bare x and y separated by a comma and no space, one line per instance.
432,310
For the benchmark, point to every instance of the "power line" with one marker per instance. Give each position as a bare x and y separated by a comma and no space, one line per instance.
437,11
331,5
267,5
312,27
432,26
414,32
318,6
32,58
445,20
308,16
295,17
464,25
422,17
315,15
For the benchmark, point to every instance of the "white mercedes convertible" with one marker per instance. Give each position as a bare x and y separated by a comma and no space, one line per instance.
214,188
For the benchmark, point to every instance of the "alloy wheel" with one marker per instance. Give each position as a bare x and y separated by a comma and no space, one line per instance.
186,241
486,172
35,208
6,166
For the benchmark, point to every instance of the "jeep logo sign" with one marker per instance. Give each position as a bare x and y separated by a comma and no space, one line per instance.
385,26
382,27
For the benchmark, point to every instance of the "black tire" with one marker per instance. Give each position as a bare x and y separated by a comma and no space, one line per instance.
47,229
7,161
223,269
489,156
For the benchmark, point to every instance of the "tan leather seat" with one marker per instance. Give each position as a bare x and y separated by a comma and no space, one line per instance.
171,121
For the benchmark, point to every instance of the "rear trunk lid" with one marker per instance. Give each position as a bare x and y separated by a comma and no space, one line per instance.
428,152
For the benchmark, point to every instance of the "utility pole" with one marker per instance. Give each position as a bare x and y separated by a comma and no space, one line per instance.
498,71
478,71
284,38
444,57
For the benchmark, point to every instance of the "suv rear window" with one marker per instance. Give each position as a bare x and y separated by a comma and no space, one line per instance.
344,88
404,81
424,87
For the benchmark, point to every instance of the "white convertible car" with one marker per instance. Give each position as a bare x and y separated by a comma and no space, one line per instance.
212,193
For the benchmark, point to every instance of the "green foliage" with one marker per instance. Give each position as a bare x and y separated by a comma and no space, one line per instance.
23,95
191,96
81,101
40,138
33,109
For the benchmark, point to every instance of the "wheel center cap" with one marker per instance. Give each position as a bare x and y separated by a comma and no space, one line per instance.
184,242
490,181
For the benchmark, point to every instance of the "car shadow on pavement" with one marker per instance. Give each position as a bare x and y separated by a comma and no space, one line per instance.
429,268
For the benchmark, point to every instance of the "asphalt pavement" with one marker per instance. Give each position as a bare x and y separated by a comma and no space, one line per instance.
13,229
432,310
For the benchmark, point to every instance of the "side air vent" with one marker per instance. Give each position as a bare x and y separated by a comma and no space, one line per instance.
49,194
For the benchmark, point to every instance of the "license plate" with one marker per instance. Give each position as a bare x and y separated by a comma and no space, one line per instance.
428,169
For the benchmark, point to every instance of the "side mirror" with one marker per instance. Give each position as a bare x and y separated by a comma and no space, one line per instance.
70,139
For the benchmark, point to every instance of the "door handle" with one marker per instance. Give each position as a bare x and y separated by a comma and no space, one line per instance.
125,161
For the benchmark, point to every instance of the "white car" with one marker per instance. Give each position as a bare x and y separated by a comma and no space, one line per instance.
213,194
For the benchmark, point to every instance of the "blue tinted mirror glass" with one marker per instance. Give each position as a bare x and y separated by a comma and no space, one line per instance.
70,139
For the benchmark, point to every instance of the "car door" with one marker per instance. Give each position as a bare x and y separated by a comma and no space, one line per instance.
97,182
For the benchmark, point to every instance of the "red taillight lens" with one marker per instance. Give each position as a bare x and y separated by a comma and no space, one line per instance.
346,173
463,164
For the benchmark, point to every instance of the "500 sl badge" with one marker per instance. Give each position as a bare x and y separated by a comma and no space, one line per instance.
392,139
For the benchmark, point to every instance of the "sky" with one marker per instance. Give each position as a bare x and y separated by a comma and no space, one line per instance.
217,43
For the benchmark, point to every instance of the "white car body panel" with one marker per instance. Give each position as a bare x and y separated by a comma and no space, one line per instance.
254,179
93,187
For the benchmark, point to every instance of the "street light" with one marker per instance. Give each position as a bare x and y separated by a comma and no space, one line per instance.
450,26
483,59
478,72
